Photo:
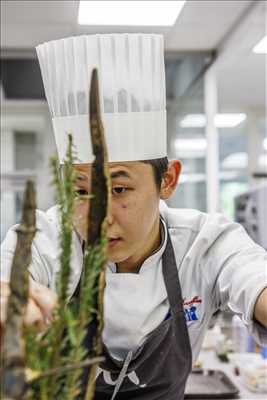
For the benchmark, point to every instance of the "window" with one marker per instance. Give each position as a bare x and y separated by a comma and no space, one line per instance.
25,151
188,144
18,163
233,154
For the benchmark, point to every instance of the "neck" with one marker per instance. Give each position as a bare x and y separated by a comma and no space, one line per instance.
133,264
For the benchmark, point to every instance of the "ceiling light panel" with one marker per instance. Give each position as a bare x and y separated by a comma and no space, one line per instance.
221,120
194,144
129,13
193,121
229,120
261,47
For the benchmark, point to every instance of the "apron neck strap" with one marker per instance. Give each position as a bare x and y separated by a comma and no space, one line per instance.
171,278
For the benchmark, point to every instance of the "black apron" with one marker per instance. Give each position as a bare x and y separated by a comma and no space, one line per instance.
158,370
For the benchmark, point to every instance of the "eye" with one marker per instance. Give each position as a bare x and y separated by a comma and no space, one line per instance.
81,192
119,190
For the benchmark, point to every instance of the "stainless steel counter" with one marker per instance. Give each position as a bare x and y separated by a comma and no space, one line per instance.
210,361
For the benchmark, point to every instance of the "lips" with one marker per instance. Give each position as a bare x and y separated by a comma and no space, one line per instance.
113,242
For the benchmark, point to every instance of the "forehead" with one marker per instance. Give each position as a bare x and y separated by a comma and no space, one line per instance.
128,170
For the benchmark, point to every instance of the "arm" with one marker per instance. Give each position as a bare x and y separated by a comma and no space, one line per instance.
41,299
37,269
41,304
260,310
238,267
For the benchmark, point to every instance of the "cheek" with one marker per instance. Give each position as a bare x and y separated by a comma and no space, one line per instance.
143,217
80,211
131,217
80,218
124,213
136,216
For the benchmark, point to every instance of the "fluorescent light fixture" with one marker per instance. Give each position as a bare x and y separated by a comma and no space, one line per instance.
264,144
193,121
191,145
229,120
221,120
261,47
235,161
192,178
129,13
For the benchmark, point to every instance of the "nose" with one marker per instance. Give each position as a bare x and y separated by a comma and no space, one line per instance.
110,218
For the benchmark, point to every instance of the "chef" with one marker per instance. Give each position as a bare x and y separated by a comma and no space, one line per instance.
169,270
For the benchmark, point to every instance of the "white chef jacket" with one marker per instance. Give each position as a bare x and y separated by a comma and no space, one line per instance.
219,266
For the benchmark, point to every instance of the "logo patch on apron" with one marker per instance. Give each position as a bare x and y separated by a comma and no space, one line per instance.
191,308
109,381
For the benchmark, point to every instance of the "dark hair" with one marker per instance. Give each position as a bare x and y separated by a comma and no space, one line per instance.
160,166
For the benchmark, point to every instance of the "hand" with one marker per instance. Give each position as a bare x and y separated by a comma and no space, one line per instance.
41,304
260,310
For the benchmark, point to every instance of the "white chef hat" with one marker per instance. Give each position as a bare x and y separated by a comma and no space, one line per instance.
132,93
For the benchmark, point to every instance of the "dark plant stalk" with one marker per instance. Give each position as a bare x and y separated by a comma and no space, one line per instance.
98,210
14,379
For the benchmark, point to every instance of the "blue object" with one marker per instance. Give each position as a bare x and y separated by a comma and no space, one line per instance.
264,352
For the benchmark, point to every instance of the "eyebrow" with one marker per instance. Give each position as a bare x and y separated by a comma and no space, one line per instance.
81,177
119,174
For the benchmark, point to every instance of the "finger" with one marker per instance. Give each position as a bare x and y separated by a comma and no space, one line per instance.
45,298
5,289
33,315
3,309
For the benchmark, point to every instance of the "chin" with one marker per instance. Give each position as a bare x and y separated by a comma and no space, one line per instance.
112,258
115,258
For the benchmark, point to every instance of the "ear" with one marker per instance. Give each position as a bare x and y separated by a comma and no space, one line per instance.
170,179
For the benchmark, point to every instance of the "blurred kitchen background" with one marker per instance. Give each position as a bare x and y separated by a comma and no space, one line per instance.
216,88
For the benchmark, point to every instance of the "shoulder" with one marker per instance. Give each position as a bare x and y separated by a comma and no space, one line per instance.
190,227
44,246
47,222
182,218
46,238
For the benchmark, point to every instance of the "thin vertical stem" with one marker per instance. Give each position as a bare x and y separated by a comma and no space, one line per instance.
97,213
14,379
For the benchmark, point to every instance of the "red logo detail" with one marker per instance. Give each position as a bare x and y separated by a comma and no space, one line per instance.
195,299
